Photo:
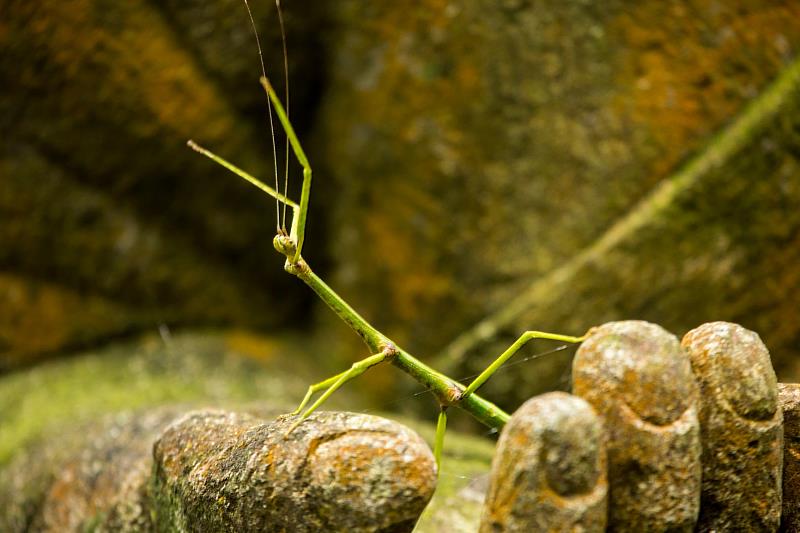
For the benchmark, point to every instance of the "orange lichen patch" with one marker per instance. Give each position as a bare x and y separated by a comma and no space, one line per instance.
139,58
251,344
337,471
411,289
414,60
691,67
37,317
503,506
356,458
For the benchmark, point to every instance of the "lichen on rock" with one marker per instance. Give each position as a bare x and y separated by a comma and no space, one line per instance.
217,471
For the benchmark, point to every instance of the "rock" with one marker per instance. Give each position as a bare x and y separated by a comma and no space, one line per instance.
549,470
217,471
741,422
789,400
640,381
56,232
346,472
75,432
95,479
38,317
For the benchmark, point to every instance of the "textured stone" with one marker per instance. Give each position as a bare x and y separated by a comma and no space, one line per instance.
218,471
91,477
637,377
789,400
742,429
549,470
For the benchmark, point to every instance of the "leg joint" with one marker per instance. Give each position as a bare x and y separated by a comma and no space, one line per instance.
389,351
453,395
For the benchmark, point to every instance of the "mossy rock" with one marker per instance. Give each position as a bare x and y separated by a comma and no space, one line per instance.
115,401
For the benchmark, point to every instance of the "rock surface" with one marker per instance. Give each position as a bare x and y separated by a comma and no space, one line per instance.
95,478
637,377
742,429
335,472
549,469
789,400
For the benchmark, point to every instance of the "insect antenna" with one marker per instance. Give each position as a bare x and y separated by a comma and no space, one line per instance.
269,111
286,99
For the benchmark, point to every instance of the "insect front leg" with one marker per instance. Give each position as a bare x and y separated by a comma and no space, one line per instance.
514,348
333,383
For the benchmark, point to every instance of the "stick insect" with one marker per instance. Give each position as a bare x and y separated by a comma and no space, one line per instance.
289,243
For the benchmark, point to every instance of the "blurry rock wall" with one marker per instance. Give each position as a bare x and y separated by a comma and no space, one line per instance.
108,222
544,165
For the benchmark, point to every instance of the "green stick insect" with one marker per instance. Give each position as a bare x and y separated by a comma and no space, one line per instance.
447,391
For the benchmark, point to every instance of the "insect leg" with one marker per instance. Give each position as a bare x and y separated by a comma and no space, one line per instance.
441,426
298,222
514,348
314,388
354,371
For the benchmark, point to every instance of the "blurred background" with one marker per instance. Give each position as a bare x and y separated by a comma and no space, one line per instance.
481,168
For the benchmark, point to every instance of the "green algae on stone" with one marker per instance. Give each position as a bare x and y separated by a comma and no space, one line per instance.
197,367
217,471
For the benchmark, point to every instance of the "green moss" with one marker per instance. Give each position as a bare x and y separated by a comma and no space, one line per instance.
195,367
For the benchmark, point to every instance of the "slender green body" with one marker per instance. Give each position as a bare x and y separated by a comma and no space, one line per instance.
447,391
